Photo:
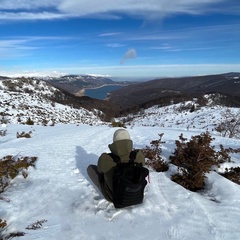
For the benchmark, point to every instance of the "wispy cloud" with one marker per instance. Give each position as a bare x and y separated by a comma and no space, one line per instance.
150,8
16,47
28,4
13,16
45,9
24,41
205,34
169,48
115,45
109,34
164,46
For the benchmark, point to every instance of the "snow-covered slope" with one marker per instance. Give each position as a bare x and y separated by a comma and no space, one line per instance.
180,115
60,192
26,98
60,195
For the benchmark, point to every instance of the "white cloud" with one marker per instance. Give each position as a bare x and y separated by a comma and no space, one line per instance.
130,54
12,48
109,34
45,9
27,4
140,7
30,16
23,42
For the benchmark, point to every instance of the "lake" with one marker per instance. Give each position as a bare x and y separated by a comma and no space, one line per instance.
102,92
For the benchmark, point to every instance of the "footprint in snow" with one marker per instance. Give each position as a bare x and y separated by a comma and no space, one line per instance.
106,208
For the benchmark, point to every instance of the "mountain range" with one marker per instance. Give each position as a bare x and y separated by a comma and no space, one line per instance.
131,98
166,90
58,200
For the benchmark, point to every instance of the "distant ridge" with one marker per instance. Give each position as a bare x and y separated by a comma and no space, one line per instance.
154,91
72,83
141,95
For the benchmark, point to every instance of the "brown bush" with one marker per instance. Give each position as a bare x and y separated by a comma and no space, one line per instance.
232,174
3,223
118,124
29,121
10,167
24,135
153,155
195,158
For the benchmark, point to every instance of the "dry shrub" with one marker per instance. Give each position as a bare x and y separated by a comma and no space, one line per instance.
12,235
118,124
232,174
24,135
3,133
153,155
36,225
10,167
3,223
195,158
30,121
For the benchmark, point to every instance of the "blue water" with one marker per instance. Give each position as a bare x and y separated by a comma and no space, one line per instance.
101,93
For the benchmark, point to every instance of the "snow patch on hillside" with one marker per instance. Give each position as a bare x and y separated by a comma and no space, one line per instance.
41,74
18,108
27,98
179,116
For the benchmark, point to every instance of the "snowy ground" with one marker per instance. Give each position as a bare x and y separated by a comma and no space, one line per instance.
60,191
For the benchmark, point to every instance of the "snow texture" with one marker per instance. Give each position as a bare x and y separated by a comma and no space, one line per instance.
60,195
60,191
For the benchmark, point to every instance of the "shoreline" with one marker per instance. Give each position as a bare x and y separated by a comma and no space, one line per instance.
81,93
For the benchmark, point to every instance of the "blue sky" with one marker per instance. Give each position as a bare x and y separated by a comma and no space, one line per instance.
122,39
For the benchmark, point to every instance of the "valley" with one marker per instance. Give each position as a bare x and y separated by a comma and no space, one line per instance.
131,97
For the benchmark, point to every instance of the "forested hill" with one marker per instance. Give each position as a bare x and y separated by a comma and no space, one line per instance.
165,90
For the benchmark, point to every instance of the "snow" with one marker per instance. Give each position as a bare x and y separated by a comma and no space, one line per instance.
60,194
36,104
60,191
175,116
